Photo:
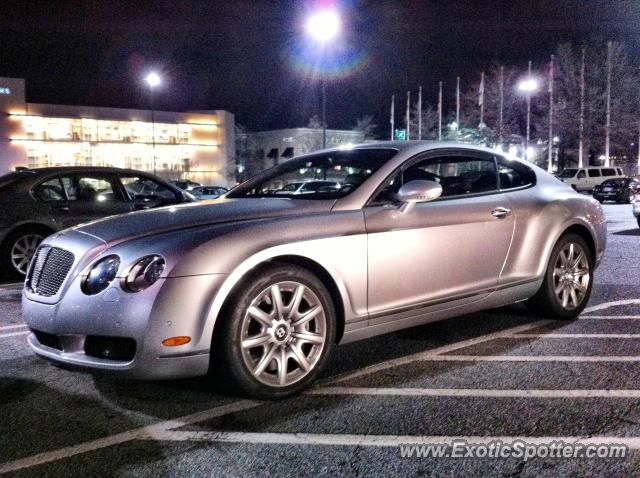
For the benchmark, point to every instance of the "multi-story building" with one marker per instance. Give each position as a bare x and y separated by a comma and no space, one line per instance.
198,145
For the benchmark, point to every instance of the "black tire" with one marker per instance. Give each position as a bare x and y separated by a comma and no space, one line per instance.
546,302
237,322
599,199
629,198
8,264
638,218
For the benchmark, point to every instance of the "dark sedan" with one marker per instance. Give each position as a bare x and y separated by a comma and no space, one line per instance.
618,190
34,203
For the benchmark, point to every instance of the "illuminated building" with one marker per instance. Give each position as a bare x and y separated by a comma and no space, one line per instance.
197,145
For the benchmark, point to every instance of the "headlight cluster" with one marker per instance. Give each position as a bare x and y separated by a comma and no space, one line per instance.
142,274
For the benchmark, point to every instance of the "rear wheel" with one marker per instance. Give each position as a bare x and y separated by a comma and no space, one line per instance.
567,283
279,332
18,249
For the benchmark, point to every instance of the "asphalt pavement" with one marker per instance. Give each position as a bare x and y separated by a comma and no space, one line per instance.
498,375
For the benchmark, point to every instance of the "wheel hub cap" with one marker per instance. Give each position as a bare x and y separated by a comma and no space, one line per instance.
571,276
283,334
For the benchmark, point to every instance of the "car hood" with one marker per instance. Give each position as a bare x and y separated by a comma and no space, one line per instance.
116,229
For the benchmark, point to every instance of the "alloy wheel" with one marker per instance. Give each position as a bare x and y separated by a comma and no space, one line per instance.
571,276
23,250
283,334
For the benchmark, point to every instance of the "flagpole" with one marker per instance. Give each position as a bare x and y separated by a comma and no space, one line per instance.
458,103
501,119
550,161
420,113
581,131
408,115
607,161
481,100
440,111
526,144
393,101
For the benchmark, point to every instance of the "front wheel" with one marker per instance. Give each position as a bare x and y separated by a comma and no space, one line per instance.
279,332
18,249
567,283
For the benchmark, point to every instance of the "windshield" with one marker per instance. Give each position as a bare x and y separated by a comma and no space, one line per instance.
568,173
329,175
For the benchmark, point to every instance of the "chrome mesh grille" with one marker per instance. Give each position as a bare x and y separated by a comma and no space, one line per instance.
48,270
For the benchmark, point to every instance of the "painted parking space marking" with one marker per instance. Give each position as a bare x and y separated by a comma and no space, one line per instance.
574,336
531,358
608,317
9,327
150,432
475,392
326,439
14,334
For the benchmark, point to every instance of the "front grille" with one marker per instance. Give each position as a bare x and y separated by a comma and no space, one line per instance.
49,268
110,348
48,340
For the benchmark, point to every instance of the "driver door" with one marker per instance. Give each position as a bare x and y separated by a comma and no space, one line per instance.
440,251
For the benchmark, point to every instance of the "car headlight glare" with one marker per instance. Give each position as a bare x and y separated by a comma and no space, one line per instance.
144,273
101,275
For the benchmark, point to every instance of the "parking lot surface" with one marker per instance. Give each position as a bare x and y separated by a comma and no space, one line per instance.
501,375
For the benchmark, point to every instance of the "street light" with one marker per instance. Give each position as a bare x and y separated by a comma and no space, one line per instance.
528,86
153,81
323,27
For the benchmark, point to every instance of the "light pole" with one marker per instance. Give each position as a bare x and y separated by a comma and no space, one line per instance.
528,86
153,81
323,27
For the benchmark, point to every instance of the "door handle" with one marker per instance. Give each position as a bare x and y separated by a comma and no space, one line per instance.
61,208
501,212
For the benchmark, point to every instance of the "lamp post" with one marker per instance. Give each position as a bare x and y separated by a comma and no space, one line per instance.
323,27
153,81
528,86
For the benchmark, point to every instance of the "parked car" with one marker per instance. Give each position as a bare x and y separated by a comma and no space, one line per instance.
585,179
636,207
37,202
307,187
262,286
185,184
208,192
618,190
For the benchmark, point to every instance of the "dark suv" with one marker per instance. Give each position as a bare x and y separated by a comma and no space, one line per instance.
34,203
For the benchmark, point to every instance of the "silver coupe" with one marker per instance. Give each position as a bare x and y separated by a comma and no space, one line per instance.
262,285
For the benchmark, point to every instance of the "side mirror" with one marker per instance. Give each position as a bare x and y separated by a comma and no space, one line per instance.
418,191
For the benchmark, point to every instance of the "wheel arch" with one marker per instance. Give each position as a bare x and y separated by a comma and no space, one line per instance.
584,232
26,226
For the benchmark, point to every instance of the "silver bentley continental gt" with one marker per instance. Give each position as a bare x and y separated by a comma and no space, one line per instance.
262,284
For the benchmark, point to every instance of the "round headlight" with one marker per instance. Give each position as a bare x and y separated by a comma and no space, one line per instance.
144,273
101,275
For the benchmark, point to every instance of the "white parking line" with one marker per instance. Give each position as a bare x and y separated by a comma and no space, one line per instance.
531,358
14,334
608,317
574,336
475,392
150,432
384,440
18,326
606,305
439,350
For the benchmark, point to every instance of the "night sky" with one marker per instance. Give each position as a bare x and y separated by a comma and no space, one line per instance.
252,57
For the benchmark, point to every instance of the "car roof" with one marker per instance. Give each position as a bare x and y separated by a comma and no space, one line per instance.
80,169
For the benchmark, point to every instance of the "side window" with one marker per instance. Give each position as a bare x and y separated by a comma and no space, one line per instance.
458,175
608,172
50,190
514,175
594,173
142,188
581,174
90,188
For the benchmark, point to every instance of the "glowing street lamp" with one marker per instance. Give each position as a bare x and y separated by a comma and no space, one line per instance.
323,27
528,86
153,81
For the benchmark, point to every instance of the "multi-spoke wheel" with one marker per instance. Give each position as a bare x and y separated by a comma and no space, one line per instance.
19,248
567,283
279,332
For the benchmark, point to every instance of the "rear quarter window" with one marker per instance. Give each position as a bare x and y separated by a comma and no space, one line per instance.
514,175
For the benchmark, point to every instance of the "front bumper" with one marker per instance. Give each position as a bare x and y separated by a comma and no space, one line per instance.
172,307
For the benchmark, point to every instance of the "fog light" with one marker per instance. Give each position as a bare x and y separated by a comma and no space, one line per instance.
144,274
173,341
